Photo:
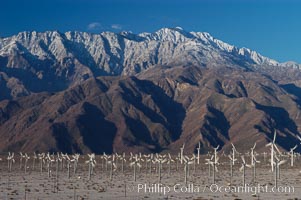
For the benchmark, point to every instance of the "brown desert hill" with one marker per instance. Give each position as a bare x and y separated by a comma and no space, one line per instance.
157,110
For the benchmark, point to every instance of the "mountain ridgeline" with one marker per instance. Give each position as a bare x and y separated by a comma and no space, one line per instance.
148,92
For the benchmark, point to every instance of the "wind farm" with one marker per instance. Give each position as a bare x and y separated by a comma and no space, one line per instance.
124,99
126,176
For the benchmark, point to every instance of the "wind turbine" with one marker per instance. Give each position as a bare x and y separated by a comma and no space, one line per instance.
41,157
243,168
26,160
233,154
198,151
91,162
135,163
113,166
231,167
49,160
169,161
252,155
254,161
187,161
277,163
213,161
292,155
215,154
208,162
182,153
21,158
123,160
34,160
273,147
10,160
160,160
69,161
149,159
75,162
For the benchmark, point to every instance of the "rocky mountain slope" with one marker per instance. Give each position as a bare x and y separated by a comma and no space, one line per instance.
53,61
151,92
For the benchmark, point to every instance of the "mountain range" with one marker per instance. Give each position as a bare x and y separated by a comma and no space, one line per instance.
147,92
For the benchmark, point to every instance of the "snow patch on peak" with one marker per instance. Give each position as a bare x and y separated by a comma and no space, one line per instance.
129,53
291,64
12,48
174,35
256,57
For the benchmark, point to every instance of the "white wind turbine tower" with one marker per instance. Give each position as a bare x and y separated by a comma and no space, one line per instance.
182,153
75,162
91,162
233,154
64,158
277,164
194,162
68,164
252,155
178,159
243,168
148,162
187,161
117,156
49,160
231,166
34,157
10,160
140,161
208,162
160,159
215,154
57,159
106,158
292,155
25,163
273,147
41,157
135,163
232,160
254,161
21,158
198,153
102,161
113,166
123,160
169,161
299,138
214,164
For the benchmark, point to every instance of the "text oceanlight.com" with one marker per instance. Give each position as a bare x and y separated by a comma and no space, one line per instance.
213,188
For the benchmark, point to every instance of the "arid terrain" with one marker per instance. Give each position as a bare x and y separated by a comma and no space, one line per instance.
77,92
147,94
37,185
155,111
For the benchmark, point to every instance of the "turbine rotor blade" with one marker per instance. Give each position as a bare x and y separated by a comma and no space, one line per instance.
274,136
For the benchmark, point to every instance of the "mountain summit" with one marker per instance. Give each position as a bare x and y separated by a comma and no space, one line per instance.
56,60
150,92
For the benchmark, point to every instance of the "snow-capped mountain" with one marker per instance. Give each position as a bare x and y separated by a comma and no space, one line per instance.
188,88
56,60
